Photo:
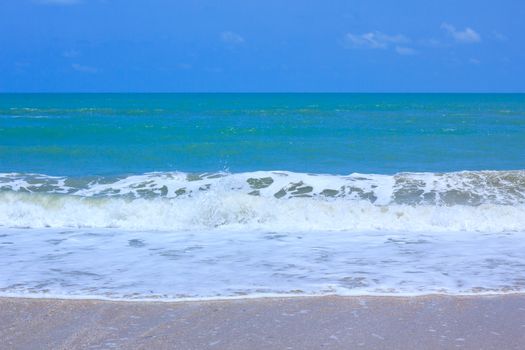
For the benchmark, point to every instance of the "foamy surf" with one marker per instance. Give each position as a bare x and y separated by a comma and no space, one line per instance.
118,264
182,236
482,201
465,187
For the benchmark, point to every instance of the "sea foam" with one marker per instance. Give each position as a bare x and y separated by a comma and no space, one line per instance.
137,265
487,201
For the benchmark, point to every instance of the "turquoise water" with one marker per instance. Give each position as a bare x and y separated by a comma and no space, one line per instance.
88,134
175,196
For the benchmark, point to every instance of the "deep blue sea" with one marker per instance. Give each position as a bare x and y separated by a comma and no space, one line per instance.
176,196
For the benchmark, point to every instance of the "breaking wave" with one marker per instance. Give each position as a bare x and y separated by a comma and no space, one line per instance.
268,200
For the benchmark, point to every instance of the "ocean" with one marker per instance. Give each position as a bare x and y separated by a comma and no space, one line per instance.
199,196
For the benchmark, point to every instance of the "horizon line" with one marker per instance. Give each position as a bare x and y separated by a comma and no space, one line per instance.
262,92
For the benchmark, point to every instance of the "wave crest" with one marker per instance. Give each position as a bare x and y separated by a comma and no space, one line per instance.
457,188
274,201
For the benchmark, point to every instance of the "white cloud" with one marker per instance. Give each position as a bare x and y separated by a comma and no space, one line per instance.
474,61
467,36
500,37
433,43
71,53
406,51
231,38
84,69
58,2
373,40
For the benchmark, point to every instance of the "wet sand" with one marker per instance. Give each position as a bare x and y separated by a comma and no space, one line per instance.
430,322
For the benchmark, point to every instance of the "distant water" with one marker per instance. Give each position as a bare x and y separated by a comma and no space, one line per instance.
170,196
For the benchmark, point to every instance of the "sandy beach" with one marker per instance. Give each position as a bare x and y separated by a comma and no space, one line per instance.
429,322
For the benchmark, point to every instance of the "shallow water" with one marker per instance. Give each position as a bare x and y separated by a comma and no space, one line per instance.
220,264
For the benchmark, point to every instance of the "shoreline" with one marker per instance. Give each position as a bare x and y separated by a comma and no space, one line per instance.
269,297
308,322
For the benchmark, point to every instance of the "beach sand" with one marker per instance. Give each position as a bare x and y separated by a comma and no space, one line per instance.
429,322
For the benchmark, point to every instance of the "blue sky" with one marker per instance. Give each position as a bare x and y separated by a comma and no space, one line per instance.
270,45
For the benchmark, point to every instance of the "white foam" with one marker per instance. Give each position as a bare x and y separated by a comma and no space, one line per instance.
487,201
179,236
466,187
204,264
244,212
